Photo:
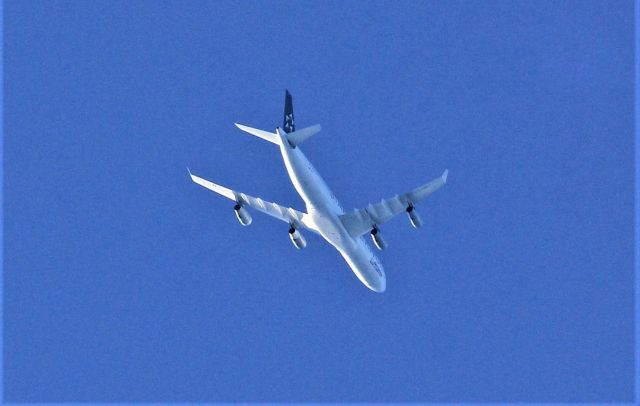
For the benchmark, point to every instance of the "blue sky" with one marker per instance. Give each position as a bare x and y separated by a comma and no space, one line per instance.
124,281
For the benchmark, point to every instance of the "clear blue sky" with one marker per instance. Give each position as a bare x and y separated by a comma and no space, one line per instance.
124,281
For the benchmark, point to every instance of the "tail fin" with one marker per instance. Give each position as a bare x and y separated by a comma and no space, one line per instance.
288,123
290,134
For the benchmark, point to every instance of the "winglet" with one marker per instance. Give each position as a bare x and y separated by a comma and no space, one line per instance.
189,170
444,176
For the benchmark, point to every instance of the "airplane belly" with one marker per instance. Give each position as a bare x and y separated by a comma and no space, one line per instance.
324,210
307,182
364,264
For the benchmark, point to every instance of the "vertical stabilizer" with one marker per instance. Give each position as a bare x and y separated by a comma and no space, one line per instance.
288,124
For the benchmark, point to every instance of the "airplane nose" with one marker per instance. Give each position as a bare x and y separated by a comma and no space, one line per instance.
379,281
369,271
380,285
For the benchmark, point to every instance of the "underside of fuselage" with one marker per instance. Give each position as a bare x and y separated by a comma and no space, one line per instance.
323,216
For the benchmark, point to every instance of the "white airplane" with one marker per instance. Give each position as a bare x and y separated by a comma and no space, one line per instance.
324,214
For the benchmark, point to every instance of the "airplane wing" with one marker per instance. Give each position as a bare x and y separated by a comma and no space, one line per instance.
285,214
360,221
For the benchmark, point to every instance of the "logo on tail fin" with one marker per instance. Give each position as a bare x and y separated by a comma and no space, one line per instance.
288,125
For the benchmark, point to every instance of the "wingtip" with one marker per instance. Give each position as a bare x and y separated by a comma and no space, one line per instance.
445,174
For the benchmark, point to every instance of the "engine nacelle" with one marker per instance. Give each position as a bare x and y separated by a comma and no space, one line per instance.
297,239
414,217
378,241
243,215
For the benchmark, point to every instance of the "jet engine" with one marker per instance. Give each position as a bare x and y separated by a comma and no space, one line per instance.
414,217
297,239
242,214
376,236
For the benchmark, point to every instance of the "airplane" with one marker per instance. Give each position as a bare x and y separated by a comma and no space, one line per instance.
324,215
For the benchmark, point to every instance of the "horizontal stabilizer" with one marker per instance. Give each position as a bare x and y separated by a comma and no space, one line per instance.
297,137
265,135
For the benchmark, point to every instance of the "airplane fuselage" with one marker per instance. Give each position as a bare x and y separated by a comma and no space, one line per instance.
323,210
324,216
